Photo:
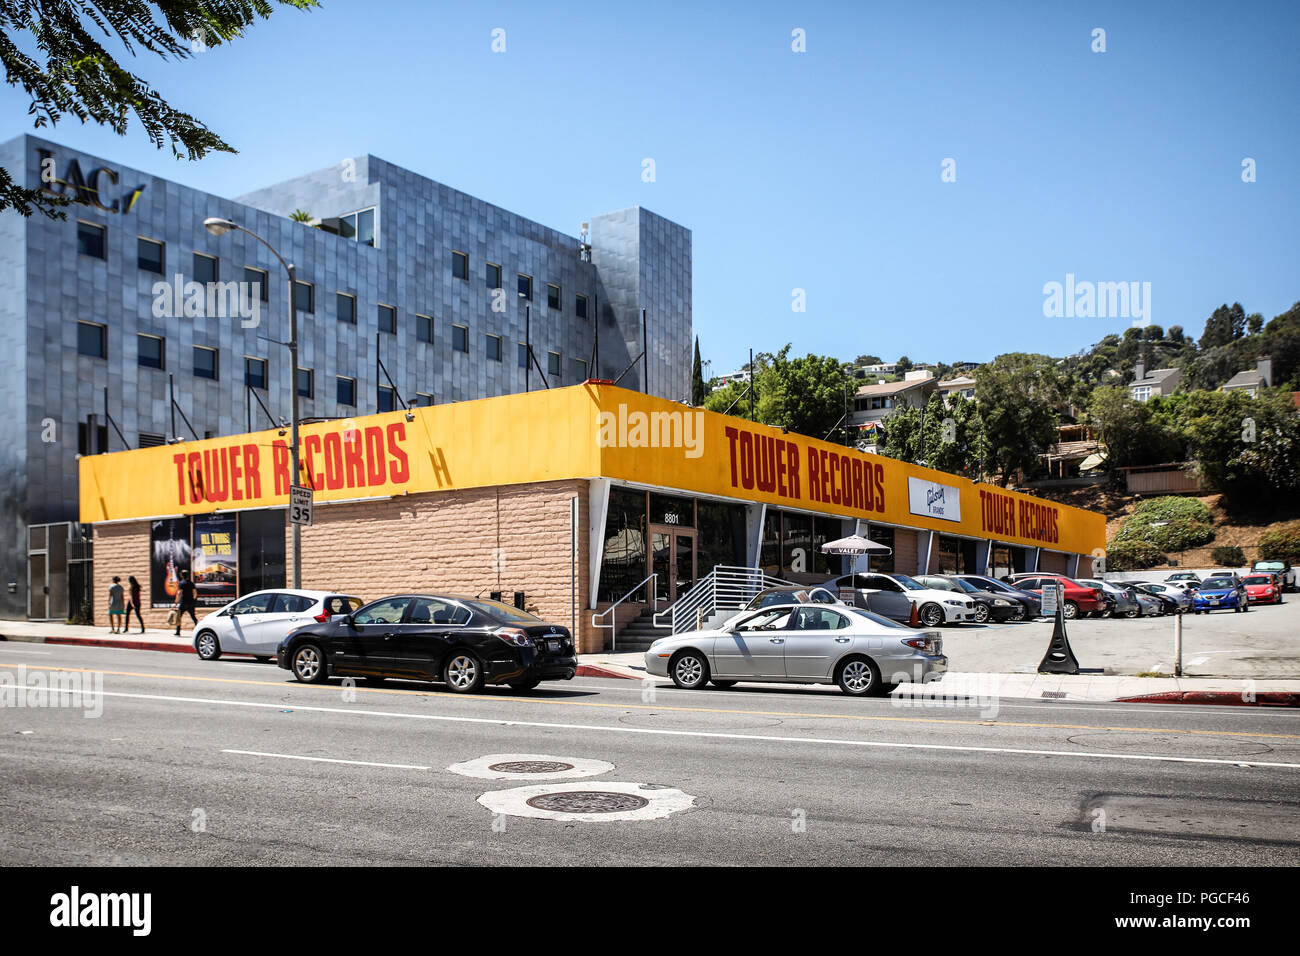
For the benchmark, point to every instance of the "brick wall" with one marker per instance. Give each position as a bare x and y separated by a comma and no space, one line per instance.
905,551
123,550
1053,562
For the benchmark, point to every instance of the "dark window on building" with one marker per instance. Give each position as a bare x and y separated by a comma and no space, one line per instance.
423,398
552,296
304,297
580,306
460,338
526,286
553,363
206,362
885,536
359,226
672,509
306,383
722,535
261,550
387,399
205,268
150,255
346,390
254,372
84,443
92,339
459,265
150,351
580,370
792,544
493,276
624,562
347,305
259,283
424,328
148,440
494,348
91,239
523,355
387,319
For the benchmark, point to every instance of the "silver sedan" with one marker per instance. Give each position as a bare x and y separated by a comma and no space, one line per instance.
861,652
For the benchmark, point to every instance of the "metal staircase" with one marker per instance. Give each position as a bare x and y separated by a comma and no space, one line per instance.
718,595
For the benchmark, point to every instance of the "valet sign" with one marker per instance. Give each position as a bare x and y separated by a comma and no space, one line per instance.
933,500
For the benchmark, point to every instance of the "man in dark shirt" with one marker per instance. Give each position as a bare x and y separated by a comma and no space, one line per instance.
185,601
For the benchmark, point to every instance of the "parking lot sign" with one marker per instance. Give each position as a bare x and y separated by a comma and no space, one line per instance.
300,505
1050,599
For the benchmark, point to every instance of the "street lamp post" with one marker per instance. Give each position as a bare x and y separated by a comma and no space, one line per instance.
219,227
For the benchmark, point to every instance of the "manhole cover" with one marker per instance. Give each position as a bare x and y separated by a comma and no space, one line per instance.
531,766
588,801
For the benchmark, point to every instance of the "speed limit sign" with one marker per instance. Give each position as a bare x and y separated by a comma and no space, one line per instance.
300,505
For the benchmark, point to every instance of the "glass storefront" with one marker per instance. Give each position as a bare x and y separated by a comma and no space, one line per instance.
679,538
792,543
1006,559
261,550
953,556
882,535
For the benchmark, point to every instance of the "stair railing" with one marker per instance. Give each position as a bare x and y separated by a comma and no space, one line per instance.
726,587
596,619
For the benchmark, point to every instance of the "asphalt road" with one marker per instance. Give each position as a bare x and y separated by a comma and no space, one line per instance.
201,764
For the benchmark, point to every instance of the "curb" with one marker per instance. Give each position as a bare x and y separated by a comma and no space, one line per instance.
1223,697
124,645
595,670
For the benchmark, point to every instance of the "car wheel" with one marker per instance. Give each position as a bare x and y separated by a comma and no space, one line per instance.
723,684
523,685
207,645
1019,614
859,677
1071,610
1132,613
981,613
931,615
309,664
689,670
463,674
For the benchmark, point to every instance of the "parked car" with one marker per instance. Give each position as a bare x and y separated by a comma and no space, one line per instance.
1033,602
1187,587
1188,576
792,594
1280,567
463,642
1077,598
863,653
1219,592
893,595
1262,589
1121,601
256,623
988,606
1174,598
1148,604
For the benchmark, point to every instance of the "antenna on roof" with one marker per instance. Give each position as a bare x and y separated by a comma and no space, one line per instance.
584,246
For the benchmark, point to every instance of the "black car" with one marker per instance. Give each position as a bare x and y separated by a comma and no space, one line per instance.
464,642
989,605
1033,603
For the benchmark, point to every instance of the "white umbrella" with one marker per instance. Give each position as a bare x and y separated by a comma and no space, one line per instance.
855,544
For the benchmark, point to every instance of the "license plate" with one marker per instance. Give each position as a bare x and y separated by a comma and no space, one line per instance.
553,647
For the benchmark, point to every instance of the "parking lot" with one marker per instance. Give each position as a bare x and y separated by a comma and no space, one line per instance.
1263,643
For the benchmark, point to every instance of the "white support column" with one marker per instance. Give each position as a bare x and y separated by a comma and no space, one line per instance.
755,516
1072,566
597,511
1037,553
923,561
983,551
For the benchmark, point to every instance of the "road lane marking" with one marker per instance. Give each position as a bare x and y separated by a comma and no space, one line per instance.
358,763
16,650
495,698
710,734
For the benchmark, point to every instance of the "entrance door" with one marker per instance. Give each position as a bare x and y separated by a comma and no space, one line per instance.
672,557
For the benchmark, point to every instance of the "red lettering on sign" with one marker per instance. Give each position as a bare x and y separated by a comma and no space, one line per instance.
731,438
400,470
280,466
792,460
333,461
746,461
376,467
814,476
252,471
311,445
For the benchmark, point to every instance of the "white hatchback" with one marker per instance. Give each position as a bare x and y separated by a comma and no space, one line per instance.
256,623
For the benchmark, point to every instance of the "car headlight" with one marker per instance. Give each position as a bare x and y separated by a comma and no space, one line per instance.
1001,603
954,603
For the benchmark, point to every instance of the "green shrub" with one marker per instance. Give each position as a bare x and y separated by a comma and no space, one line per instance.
1281,543
1228,556
1168,524
1133,555
1172,508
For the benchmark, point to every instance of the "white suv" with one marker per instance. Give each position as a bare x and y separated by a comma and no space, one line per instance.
256,623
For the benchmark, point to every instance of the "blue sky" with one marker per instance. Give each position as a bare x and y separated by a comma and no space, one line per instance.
817,170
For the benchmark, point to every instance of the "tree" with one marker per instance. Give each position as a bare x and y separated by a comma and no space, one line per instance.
1129,430
1254,322
80,78
805,395
947,437
300,215
1176,334
868,360
1225,324
698,390
1018,394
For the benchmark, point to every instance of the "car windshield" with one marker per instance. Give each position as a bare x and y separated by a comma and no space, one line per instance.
1257,579
963,585
939,584
907,583
1269,565
1211,583
501,611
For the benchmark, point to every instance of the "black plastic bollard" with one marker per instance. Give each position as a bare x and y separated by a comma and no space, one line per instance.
1059,658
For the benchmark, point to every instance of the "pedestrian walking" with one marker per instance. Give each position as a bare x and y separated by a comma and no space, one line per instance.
116,607
185,601
133,593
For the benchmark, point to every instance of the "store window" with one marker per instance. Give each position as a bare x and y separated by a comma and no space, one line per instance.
671,509
885,536
722,535
261,550
623,565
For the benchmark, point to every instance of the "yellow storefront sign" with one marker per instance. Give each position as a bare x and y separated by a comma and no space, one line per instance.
584,431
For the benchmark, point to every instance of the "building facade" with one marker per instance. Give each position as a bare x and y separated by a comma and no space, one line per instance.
129,325
565,501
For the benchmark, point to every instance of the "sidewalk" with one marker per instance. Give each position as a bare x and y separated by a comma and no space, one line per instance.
977,687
